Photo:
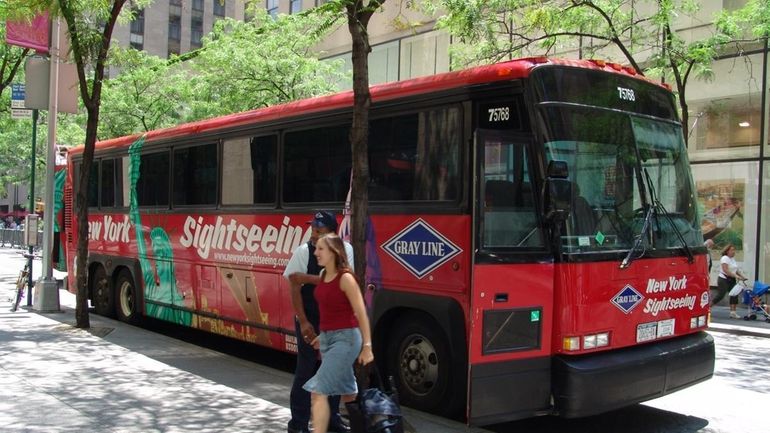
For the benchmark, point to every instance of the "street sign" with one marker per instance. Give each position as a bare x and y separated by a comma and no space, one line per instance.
17,95
17,102
21,113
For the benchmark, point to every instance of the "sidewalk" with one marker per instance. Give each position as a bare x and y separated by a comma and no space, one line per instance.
119,378
721,322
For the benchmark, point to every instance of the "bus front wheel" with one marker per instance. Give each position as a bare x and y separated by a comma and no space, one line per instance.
127,300
420,362
101,293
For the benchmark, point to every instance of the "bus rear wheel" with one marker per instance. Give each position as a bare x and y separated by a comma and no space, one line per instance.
127,301
101,293
420,362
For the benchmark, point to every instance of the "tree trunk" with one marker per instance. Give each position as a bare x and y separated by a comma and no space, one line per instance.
358,16
82,319
92,103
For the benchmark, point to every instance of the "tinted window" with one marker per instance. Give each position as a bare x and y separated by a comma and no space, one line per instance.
509,216
93,185
317,165
249,170
152,186
603,89
108,183
195,175
416,156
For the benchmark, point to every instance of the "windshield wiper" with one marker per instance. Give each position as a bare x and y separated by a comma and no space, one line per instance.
656,207
661,209
645,228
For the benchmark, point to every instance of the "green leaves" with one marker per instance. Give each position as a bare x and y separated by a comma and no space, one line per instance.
241,66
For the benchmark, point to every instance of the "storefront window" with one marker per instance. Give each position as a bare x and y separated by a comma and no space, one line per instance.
727,199
726,123
764,243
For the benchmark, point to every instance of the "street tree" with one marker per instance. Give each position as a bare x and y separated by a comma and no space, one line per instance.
262,62
637,32
89,26
357,14
15,147
149,93
240,66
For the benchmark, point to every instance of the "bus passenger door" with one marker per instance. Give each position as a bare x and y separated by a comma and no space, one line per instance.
511,297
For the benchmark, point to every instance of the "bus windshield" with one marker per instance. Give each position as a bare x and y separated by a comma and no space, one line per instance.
621,166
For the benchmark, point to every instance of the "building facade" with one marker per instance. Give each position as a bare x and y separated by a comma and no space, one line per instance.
728,114
728,120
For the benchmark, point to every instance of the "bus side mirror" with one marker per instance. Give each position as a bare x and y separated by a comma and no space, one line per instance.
558,191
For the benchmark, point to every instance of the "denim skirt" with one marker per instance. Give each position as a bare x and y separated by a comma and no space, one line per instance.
339,350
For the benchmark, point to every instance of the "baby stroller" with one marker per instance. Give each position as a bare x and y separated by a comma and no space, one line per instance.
752,297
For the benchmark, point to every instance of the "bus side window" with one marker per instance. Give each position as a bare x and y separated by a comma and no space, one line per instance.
107,184
416,156
93,184
153,183
195,175
249,170
316,165
509,214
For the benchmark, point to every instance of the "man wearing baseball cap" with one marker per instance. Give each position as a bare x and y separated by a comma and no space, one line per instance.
302,272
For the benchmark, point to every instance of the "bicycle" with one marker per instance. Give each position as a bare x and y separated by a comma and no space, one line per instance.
21,286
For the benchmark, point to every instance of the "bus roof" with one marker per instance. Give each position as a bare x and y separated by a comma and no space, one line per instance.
509,70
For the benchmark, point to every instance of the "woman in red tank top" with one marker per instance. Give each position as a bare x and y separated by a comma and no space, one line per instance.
345,333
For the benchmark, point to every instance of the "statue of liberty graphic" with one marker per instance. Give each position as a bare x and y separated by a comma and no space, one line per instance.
157,297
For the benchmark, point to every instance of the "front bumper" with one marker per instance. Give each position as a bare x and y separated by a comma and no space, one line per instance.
589,384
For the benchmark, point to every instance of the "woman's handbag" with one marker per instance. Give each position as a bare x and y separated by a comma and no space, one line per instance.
737,289
375,409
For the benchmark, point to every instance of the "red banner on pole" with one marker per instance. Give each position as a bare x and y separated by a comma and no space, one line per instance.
33,35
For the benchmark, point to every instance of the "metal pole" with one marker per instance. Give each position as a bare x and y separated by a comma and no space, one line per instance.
32,202
47,299
763,141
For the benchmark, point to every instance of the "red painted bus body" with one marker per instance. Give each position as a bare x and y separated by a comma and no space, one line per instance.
487,296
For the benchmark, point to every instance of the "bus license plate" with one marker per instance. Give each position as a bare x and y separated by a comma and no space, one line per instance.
646,332
666,328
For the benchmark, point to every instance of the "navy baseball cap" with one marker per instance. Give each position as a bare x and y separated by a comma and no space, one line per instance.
324,218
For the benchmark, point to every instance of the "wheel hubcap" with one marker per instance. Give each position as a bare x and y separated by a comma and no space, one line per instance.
101,292
419,365
126,299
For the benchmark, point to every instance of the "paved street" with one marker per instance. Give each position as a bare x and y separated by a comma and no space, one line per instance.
120,378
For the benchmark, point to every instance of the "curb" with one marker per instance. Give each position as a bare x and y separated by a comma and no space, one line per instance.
738,330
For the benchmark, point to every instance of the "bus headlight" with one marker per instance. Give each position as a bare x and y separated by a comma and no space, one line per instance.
603,339
571,343
589,342
698,321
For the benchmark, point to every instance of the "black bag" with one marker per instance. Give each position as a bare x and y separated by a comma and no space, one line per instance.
375,410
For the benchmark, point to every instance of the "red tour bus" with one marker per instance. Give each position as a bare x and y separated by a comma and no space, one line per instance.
534,242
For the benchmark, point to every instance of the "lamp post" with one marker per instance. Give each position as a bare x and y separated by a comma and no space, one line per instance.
47,298
32,202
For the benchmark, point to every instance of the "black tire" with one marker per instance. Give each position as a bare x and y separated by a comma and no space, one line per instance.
102,294
420,362
21,285
126,298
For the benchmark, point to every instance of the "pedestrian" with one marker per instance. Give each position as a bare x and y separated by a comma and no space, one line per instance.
709,244
729,275
345,333
303,271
